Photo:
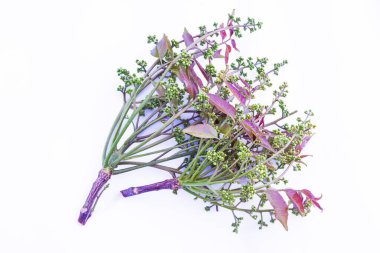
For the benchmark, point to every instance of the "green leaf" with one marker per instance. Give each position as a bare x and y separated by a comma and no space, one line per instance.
162,47
201,131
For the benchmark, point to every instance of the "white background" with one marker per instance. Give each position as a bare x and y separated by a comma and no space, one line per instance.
58,62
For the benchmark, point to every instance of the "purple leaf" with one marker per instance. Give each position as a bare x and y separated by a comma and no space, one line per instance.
300,146
223,32
241,89
201,131
217,54
313,199
222,105
203,71
279,205
227,54
233,43
162,47
191,87
236,93
262,123
230,24
296,199
248,85
187,38
251,128
194,77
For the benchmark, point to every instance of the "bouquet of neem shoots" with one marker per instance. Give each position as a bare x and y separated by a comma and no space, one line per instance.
196,105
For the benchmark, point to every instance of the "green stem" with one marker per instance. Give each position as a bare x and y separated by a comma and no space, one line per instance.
157,166
111,133
138,131
163,150
167,123
162,140
115,172
126,108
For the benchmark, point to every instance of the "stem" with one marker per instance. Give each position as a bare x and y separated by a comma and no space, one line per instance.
97,188
154,162
112,132
157,166
171,184
167,123
163,150
279,119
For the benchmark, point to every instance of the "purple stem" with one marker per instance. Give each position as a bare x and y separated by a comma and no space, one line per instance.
172,184
86,211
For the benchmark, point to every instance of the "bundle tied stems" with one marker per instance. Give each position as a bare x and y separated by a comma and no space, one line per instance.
229,157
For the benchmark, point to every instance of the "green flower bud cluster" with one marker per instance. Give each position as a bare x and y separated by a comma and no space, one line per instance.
247,192
219,78
202,30
179,135
250,63
309,112
238,33
260,158
175,43
227,197
277,66
202,97
236,224
287,158
283,108
214,47
261,171
302,128
280,140
211,70
174,93
243,153
232,78
142,65
208,54
251,21
262,224
258,108
261,61
124,74
168,111
240,61
185,59
154,102
128,80
297,167
215,157
120,88
224,92
283,88
152,39
202,105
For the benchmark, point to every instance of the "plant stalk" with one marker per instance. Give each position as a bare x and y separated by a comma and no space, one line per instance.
97,188
170,184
